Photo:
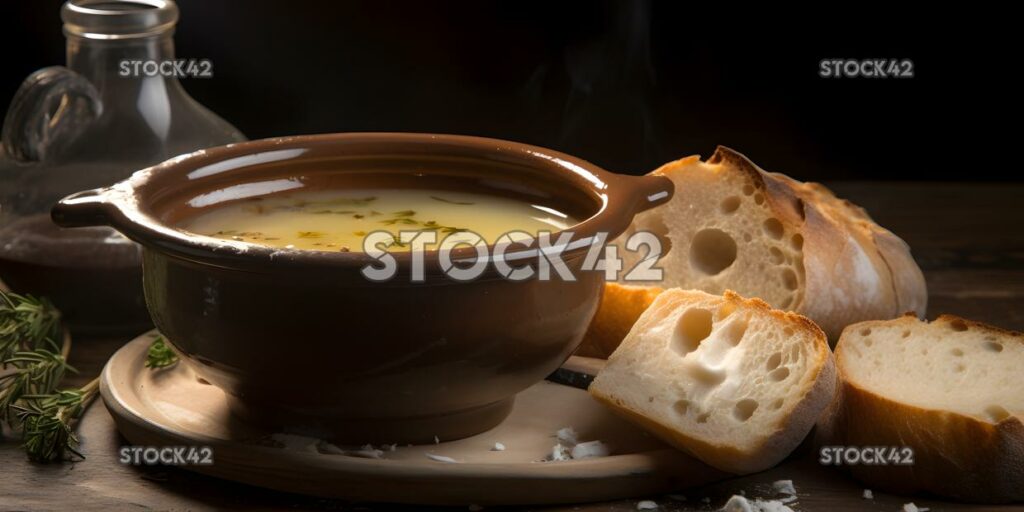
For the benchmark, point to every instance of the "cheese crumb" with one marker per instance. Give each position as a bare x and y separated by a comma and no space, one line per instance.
868,495
590,449
647,505
498,447
441,458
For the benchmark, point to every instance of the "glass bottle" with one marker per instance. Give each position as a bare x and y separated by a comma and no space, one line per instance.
87,125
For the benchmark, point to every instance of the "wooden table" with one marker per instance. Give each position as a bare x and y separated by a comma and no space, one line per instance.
968,238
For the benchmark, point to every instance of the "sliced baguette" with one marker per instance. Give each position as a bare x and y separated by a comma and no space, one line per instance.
730,380
952,390
731,225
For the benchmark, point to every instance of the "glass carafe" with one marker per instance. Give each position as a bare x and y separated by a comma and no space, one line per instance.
87,125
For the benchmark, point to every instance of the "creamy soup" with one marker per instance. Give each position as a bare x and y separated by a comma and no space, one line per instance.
340,220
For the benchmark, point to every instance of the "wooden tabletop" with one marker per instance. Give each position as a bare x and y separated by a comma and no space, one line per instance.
967,237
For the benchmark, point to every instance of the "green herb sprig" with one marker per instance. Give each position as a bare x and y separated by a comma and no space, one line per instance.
48,422
160,354
29,400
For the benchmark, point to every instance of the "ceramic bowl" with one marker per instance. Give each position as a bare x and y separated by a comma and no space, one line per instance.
302,341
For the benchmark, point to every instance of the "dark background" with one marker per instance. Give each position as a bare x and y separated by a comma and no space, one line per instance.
627,85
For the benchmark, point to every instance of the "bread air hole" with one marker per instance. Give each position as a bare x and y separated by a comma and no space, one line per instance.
759,198
681,407
865,332
656,226
734,332
776,255
773,228
692,327
996,413
779,374
789,279
957,352
748,189
992,346
777,404
730,204
712,251
703,418
797,241
744,409
774,361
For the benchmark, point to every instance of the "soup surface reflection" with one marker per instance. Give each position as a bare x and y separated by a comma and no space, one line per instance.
340,220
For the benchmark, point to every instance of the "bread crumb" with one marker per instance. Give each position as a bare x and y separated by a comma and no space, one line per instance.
559,452
784,487
647,505
441,458
868,495
498,447
437,440
910,507
590,449
567,435
736,504
740,504
392,447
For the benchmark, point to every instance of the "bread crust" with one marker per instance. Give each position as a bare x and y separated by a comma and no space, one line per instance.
786,435
955,455
852,269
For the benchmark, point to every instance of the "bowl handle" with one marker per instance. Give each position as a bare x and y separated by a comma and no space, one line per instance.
649,191
86,208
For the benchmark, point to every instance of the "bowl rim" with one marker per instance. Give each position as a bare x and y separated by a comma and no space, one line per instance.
119,205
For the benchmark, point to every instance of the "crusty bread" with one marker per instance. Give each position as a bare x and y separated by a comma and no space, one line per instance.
794,245
730,380
952,390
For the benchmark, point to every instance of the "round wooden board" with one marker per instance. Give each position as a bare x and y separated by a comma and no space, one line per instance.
171,407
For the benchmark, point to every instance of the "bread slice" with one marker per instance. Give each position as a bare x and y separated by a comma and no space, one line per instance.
731,225
730,380
952,390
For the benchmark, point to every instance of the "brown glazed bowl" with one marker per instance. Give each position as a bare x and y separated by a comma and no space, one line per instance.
302,341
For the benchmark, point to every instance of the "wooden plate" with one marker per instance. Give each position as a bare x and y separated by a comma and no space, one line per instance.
171,407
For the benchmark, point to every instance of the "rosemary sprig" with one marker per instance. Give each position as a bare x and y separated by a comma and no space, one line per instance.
35,373
160,354
29,332
48,422
27,323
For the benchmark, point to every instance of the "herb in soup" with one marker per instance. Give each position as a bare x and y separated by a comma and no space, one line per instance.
339,220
